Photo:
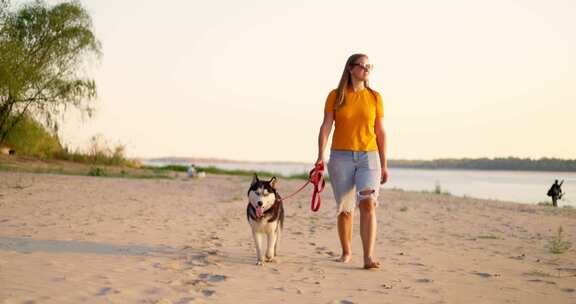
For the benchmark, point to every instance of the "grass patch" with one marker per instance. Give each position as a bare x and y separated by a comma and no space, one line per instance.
96,172
438,189
549,204
220,171
558,244
538,273
99,152
74,169
29,137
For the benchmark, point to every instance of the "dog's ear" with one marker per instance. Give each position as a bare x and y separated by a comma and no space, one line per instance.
254,179
273,182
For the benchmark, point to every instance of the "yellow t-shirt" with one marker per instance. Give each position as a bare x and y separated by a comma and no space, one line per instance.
354,122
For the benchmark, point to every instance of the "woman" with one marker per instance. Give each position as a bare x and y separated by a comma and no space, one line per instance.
357,163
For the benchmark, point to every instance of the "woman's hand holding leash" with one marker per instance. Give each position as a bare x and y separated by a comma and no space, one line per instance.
320,160
315,177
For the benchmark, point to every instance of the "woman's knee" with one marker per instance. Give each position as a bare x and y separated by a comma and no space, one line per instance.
345,215
366,198
367,205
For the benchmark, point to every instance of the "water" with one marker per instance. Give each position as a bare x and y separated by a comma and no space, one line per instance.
518,186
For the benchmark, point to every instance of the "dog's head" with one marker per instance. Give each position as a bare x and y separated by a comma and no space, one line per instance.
262,194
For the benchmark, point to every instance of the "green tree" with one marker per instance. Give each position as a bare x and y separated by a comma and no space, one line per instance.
43,49
3,8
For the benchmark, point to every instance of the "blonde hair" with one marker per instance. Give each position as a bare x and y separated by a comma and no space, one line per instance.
346,82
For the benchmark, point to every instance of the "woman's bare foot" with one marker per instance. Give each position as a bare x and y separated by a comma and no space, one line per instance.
371,264
345,258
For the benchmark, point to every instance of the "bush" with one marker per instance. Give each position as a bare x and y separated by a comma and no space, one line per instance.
98,152
95,171
558,244
29,137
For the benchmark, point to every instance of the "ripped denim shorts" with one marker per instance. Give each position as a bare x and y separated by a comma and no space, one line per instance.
353,172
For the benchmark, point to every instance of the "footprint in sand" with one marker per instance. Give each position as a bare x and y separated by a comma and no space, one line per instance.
331,253
416,264
185,300
387,286
569,270
538,280
204,282
424,280
485,274
152,291
518,257
212,277
324,250
58,279
106,290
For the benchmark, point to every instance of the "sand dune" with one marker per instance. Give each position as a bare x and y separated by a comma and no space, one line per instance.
76,239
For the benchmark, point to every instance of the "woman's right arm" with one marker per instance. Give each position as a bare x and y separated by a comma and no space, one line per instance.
325,130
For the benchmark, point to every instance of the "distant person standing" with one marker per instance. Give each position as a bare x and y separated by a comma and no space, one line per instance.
555,192
192,172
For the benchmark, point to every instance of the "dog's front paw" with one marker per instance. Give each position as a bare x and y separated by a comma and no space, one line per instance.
270,259
259,263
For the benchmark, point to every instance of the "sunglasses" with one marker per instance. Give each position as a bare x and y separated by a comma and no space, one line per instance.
365,67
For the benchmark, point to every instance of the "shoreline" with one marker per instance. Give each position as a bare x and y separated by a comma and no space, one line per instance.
33,165
418,164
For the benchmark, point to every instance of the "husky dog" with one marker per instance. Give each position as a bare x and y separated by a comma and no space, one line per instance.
266,216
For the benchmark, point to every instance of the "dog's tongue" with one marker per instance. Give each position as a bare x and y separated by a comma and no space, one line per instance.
259,212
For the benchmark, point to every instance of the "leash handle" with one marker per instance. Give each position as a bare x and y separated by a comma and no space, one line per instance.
315,177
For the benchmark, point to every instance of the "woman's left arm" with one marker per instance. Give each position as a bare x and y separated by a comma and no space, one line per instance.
381,140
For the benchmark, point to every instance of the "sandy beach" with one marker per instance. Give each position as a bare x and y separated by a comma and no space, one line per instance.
80,239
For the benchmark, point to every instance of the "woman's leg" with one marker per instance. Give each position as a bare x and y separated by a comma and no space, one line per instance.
368,228
368,186
341,169
345,221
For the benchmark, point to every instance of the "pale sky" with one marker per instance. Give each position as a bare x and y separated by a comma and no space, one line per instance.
247,80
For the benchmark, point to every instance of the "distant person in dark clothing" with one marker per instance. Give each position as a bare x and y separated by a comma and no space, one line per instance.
555,192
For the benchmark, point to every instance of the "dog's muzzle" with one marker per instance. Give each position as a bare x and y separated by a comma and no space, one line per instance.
259,211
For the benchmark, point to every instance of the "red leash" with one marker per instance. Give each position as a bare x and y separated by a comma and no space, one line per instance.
314,177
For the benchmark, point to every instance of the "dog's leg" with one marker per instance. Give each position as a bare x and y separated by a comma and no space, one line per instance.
278,236
258,240
271,249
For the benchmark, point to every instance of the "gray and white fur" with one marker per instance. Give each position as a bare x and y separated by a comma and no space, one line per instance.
265,215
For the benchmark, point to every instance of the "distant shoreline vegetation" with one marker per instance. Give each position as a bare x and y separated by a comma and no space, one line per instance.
499,163
216,170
